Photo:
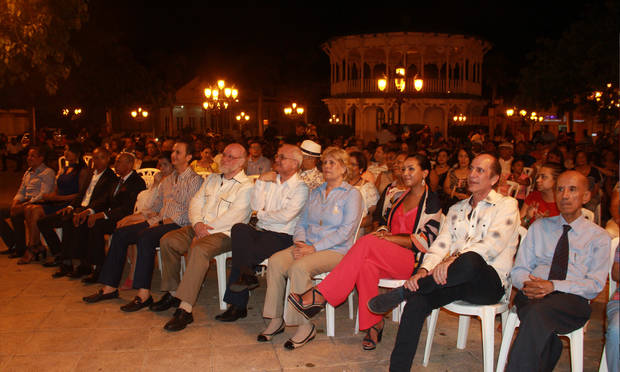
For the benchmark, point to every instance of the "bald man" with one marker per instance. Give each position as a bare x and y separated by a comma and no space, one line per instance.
222,201
470,260
554,292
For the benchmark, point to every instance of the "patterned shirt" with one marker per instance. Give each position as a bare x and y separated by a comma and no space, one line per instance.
588,259
35,183
173,196
312,177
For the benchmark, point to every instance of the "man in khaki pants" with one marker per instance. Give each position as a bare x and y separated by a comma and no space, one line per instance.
222,201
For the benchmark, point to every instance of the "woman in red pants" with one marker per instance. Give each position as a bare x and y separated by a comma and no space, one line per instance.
390,252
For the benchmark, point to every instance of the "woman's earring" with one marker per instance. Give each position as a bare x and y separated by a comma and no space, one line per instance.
423,182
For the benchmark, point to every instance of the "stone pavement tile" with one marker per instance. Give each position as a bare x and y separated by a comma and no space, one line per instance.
8,290
70,320
190,337
350,349
372,367
21,320
321,353
118,340
48,288
54,362
339,368
73,302
120,320
69,340
200,359
123,361
31,304
235,333
4,359
258,357
13,341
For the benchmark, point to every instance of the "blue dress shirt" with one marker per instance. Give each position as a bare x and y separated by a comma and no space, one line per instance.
588,260
330,221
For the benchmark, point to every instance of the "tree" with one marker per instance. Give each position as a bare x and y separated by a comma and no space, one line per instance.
564,71
34,40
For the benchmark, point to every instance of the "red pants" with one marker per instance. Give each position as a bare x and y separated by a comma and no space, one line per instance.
369,260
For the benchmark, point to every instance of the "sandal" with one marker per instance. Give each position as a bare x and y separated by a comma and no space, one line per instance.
264,337
367,342
31,254
292,345
308,311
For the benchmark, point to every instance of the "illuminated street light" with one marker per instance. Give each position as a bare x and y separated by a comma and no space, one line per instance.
400,83
510,112
220,97
139,114
294,110
334,119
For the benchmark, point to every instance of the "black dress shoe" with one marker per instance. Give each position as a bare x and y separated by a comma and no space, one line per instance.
165,303
179,321
92,278
246,281
385,302
52,261
80,271
64,270
233,313
136,304
100,296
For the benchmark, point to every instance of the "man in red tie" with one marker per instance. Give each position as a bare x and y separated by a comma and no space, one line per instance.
560,265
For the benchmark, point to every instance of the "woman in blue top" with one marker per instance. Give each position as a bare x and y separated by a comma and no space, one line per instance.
68,181
324,233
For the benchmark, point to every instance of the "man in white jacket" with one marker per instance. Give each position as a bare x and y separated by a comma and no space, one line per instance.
222,201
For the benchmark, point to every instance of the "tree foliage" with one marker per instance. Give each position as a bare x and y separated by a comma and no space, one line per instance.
34,40
585,58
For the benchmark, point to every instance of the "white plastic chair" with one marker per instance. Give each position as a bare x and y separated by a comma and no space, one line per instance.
588,214
528,171
62,162
147,175
486,313
612,290
88,159
513,188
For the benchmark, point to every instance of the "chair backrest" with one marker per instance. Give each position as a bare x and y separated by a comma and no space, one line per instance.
513,188
88,159
612,283
62,162
528,171
147,175
588,214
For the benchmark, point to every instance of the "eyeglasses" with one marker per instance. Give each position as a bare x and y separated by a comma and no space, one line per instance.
228,156
282,157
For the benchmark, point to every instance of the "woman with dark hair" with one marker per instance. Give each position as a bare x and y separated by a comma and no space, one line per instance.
357,167
440,171
583,165
69,180
541,202
455,184
393,251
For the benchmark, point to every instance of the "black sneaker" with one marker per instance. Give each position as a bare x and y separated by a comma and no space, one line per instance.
179,321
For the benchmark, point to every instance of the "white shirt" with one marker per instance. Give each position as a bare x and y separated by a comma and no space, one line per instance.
278,204
91,187
491,230
221,203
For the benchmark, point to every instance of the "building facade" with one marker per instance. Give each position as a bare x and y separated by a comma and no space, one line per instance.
449,65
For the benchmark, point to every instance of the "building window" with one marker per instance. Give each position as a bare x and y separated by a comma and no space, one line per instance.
179,123
380,118
192,122
166,125
203,123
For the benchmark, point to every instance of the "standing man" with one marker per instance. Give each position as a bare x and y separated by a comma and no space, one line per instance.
38,180
561,264
94,199
168,212
277,200
257,163
222,201
470,260
311,152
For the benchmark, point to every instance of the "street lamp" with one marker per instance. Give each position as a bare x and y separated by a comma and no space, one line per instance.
334,119
400,83
294,111
220,97
242,116
74,112
139,114
460,119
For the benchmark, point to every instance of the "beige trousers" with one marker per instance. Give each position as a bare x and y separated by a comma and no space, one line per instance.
175,244
283,266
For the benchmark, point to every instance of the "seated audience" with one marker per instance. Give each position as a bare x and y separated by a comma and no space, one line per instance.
309,173
370,196
541,202
168,212
612,339
205,164
323,234
561,264
390,252
470,260
277,201
388,197
394,163
439,172
379,164
455,186
222,201
257,163
37,181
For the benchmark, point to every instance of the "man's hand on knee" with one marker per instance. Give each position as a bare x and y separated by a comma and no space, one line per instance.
536,288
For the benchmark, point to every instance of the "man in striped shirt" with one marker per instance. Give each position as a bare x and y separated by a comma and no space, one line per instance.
168,211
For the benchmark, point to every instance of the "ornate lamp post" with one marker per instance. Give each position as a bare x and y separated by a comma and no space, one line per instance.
295,111
400,85
219,98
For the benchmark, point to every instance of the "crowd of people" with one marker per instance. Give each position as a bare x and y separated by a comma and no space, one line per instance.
442,214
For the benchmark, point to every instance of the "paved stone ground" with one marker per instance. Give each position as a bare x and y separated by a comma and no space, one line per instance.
45,326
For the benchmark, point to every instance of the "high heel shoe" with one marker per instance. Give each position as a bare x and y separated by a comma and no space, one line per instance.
367,342
264,337
308,311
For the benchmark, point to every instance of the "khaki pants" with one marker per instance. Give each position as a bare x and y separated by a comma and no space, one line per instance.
282,266
175,244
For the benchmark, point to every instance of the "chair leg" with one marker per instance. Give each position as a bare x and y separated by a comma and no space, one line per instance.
431,323
159,264
603,365
488,337
401,310
330,320
183,267
357,322
351,312
461,339
220,263
576,350
286,293
512,321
